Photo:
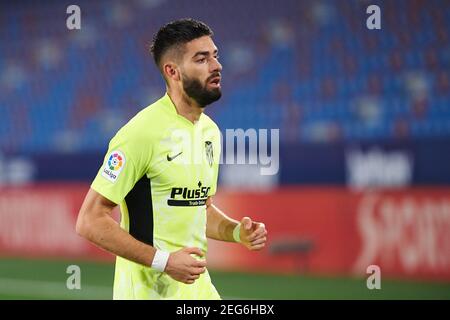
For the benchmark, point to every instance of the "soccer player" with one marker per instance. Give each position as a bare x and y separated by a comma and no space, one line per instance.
162,169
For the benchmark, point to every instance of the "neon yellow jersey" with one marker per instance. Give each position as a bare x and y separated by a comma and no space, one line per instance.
160,168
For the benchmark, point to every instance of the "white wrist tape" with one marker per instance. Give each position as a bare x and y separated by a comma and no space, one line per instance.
160,260
237,233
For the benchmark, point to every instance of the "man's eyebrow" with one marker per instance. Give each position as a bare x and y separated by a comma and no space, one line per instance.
204,53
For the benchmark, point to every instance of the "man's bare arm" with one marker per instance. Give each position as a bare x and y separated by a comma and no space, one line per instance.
96,225
219,226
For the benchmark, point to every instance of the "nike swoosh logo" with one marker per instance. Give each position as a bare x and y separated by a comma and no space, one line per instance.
169,158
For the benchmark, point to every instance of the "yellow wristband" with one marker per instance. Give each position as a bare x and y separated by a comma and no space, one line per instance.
236,233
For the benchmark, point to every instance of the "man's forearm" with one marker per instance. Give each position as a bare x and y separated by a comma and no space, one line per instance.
96,225
105,233
219,226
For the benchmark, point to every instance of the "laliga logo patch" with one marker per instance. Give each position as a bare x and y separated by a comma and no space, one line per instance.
114,166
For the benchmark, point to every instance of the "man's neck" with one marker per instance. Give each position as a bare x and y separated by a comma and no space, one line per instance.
185,106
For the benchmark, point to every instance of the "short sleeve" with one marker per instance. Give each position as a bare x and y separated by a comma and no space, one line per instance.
124,164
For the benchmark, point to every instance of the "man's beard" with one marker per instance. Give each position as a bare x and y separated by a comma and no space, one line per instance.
199,93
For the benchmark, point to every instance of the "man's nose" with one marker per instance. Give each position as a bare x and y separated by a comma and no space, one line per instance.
216,66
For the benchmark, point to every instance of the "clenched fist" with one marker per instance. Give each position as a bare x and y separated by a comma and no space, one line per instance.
182,267
252,234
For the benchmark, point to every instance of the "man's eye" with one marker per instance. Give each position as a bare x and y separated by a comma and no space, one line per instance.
201,60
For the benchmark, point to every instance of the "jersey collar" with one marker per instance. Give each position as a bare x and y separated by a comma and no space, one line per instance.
170,107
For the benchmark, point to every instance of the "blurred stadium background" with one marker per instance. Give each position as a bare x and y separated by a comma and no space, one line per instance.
364,119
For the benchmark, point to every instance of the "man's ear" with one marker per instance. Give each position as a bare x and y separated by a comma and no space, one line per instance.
171,71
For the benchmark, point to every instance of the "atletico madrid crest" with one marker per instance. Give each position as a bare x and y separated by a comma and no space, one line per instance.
209,152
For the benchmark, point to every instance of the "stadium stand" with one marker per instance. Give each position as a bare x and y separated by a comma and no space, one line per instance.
311,68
